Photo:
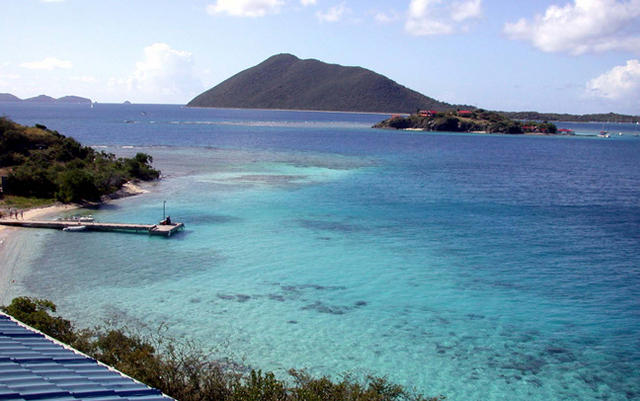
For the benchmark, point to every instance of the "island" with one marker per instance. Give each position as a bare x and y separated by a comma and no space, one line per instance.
44,99
40,166
286,82
476,121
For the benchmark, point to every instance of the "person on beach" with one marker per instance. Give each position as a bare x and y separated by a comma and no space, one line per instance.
22,214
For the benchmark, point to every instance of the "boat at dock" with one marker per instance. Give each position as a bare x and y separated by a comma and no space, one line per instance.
75,228
81,219
167,229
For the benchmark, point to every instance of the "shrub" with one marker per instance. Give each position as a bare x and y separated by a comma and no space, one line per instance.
183,372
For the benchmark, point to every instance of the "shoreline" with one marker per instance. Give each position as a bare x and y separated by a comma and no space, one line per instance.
410,129
10,249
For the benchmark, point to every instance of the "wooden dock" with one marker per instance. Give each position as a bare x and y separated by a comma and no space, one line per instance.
153,229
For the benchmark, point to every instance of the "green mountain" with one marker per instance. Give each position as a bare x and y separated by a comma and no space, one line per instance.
284,81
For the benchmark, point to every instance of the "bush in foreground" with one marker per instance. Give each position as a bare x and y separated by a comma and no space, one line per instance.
183,372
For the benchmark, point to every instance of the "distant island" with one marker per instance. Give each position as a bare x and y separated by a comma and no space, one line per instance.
477,121
7,97
601,117
284,81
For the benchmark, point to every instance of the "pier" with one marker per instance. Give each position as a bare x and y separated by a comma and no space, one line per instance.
73,225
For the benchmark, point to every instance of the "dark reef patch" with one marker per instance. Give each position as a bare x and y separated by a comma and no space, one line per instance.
321,307
327,225
238,297
208,219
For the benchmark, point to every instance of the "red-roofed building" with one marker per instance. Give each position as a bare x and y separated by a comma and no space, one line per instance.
427,113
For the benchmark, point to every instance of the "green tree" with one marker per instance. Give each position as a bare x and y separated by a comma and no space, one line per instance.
35,312
77,185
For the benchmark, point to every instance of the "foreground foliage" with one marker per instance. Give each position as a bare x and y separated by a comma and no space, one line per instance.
183,372
45,164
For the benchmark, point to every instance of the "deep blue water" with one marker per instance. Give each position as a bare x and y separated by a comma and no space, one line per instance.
476,266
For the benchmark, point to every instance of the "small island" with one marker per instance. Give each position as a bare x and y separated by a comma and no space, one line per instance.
44,99
475,121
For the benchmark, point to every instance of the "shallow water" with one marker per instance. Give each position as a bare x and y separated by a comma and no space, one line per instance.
479,267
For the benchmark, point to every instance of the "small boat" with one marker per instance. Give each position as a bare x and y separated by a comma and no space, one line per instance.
75,228
604,134
81,219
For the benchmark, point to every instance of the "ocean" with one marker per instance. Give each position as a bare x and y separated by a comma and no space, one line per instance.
475,266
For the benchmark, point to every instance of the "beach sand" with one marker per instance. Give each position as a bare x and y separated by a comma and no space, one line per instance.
11,248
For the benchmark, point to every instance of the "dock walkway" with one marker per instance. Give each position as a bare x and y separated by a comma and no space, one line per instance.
153,229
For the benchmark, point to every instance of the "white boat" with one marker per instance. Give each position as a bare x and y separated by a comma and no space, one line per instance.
81,219
604,134
75,228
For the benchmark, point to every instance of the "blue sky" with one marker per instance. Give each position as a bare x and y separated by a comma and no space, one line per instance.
577,56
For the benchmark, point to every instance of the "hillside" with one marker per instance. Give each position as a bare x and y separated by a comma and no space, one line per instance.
284,81
7,97
40,99
44,164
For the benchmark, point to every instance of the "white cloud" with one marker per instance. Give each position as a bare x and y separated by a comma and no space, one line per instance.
48,63
386,18
620,82
245,8
308,2
87,79
8,79
463,10
163,75
582,26
436,17
334,14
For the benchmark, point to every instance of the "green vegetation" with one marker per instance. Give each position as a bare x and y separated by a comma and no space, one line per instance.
23,202
44,164
477,120
186,374
284,81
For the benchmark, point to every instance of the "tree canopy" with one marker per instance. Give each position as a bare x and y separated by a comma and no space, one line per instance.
46,164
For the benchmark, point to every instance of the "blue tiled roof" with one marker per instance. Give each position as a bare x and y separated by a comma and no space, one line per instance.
35,367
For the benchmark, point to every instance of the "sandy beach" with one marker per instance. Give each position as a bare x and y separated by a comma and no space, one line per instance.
10,249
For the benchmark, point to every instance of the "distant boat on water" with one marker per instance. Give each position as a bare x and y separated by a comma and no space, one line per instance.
604,134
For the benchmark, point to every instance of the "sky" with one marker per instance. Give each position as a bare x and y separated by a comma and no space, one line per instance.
568,56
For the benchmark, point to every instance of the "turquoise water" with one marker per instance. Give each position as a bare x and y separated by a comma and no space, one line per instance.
478,267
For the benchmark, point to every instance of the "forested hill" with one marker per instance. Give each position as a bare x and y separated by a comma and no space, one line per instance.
41,163
284,81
